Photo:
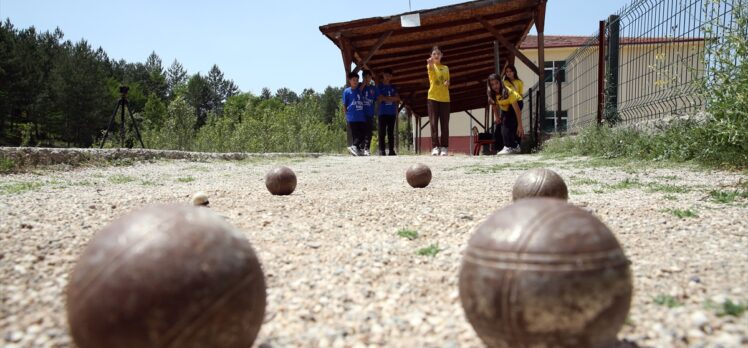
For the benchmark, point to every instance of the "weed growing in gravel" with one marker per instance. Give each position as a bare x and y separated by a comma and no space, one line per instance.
583,181
408,234
657,187
726,197
670,197
19,187
82,183
625,184
667,301
431,250
7,165
495,168
149,183
734,309
667,177
599,190
120,179
577,192
186,179
121,162
682,213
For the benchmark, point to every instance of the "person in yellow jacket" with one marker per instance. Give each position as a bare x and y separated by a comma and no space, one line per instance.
509,113
438,102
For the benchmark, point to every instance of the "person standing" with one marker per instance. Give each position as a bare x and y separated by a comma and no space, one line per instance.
370,98
512,130
387,100
438,102
353,107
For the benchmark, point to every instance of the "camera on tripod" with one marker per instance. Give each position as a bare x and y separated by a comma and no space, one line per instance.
122,105
124,89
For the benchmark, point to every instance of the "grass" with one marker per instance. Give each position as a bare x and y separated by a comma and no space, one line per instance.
496,168
186,179
408,234
19,187
667,301
7,165
727,308
577,192
625,184
120,179
670,197
726,197
430,250
668,177
658,187
583,181
682,213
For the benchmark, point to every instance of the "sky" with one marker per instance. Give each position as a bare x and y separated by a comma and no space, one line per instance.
266,43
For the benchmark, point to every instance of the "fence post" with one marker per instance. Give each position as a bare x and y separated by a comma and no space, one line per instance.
532,126
557,76
611,100
601,74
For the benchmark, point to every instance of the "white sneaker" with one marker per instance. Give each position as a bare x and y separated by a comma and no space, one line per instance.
443,151
435,152
504,151
517,150
353,150
366,152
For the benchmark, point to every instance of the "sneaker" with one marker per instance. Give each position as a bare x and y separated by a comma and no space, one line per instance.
443,152
366,152
353,150
435,152
517,150
504,151
392,153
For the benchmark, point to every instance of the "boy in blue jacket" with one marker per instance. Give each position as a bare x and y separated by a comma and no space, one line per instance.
353,107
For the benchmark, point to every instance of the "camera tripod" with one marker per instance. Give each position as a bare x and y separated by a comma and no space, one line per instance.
122,104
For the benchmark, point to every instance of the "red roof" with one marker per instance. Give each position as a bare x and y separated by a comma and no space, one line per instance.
559,41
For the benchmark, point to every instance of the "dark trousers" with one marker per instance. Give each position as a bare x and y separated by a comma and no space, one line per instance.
368,132
497,138
358,133
387,127
509,126
439,114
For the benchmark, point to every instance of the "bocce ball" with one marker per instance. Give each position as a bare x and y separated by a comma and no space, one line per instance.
200,199
418,175
166,276
280,181
543,273
539,182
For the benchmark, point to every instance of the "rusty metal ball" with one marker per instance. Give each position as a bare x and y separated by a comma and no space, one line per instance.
540,182
543,273
166,276
418,175
280,181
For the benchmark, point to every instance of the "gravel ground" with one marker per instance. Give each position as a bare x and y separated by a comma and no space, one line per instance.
340,276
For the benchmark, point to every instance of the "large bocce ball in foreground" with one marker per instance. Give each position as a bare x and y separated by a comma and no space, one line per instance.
280,181
543,273
539,182
418,175
166,276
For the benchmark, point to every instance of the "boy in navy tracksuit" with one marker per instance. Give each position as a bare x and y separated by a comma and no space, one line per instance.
370,99
388,99
353,107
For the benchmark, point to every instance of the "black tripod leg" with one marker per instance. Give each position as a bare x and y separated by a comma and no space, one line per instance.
111,123
135,124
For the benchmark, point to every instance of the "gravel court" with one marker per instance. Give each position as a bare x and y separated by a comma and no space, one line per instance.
338,273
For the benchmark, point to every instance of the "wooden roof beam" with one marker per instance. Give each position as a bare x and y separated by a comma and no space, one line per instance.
373,50
508,45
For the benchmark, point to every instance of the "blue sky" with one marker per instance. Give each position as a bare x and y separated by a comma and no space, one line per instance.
268,43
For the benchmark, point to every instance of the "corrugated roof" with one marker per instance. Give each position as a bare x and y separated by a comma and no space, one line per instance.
467,46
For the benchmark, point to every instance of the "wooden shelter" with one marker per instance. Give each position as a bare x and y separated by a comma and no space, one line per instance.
476,37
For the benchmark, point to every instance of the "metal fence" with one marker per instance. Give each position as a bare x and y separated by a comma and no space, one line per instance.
648,62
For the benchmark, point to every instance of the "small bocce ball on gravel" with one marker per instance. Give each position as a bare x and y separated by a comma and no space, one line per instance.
418,175
166,276
200,199
280,181
543,273
540,182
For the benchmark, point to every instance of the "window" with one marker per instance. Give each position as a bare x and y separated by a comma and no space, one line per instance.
550,71
549,122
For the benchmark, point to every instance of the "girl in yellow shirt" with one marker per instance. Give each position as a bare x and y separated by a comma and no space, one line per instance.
438,102
508,114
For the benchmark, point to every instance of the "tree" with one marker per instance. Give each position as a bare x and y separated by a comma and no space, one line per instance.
266,94
154,113
287,96
331,101
199,96
176,77
156,81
